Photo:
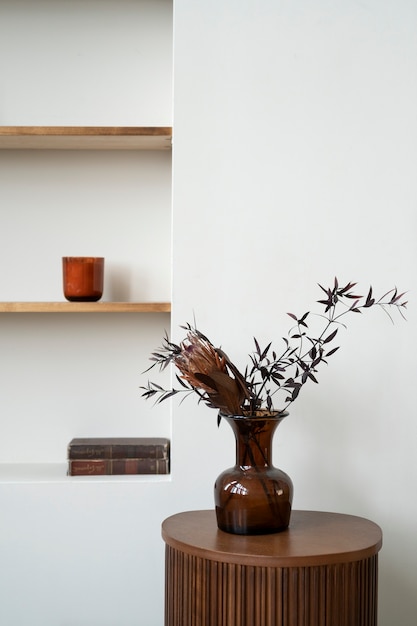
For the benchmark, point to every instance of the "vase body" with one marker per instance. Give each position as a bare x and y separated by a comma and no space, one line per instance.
253,497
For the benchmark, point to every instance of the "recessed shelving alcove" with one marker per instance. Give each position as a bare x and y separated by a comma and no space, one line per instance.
86,169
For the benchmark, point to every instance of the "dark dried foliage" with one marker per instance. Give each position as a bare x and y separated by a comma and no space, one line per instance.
208,371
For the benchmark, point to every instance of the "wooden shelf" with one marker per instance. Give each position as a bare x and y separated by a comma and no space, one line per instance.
85,307
86,137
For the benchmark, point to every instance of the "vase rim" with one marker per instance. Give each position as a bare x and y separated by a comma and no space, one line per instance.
262,415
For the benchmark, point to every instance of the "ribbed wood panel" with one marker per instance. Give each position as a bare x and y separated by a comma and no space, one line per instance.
202,592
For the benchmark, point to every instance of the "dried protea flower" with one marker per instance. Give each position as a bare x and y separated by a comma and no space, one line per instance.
203,369
198,361
206,368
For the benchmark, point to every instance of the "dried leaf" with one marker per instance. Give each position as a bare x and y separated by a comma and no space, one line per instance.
331,336
332,351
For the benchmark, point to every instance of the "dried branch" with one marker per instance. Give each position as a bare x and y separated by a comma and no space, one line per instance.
208,371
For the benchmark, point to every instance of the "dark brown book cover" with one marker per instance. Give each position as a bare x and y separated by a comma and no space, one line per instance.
118,448
107,467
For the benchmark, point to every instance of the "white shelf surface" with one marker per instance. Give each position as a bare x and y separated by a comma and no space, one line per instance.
35,473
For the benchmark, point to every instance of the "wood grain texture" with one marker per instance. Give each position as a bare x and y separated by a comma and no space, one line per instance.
313,538
85,307
86,137
217,579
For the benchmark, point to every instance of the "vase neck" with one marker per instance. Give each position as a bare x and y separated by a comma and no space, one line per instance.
253,440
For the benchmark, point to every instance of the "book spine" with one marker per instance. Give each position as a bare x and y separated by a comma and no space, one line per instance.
107,467
140,466
118,451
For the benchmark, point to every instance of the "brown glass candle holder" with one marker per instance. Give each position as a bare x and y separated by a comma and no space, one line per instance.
83,278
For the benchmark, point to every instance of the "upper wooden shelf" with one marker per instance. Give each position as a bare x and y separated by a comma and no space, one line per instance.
86,137
85,307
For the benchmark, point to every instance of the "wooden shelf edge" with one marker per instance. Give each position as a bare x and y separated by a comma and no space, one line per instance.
86,137
85,307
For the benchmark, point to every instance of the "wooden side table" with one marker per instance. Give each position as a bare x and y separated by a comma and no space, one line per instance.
321,571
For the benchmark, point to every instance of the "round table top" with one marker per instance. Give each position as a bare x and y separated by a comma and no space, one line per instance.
313,538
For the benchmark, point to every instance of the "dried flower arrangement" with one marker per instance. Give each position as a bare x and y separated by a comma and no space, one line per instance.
208,372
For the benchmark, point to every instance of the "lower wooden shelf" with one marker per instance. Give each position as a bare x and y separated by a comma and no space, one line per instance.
85,307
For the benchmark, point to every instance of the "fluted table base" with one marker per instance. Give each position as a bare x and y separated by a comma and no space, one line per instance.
200,592
210,587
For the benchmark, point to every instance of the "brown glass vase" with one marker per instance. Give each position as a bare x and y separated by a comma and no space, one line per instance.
253,497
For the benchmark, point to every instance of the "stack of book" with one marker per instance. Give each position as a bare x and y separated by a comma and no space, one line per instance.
94,456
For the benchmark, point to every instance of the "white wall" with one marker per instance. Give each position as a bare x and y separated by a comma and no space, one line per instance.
85,63
294,160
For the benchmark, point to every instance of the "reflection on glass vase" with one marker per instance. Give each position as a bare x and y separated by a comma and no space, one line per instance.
253,497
